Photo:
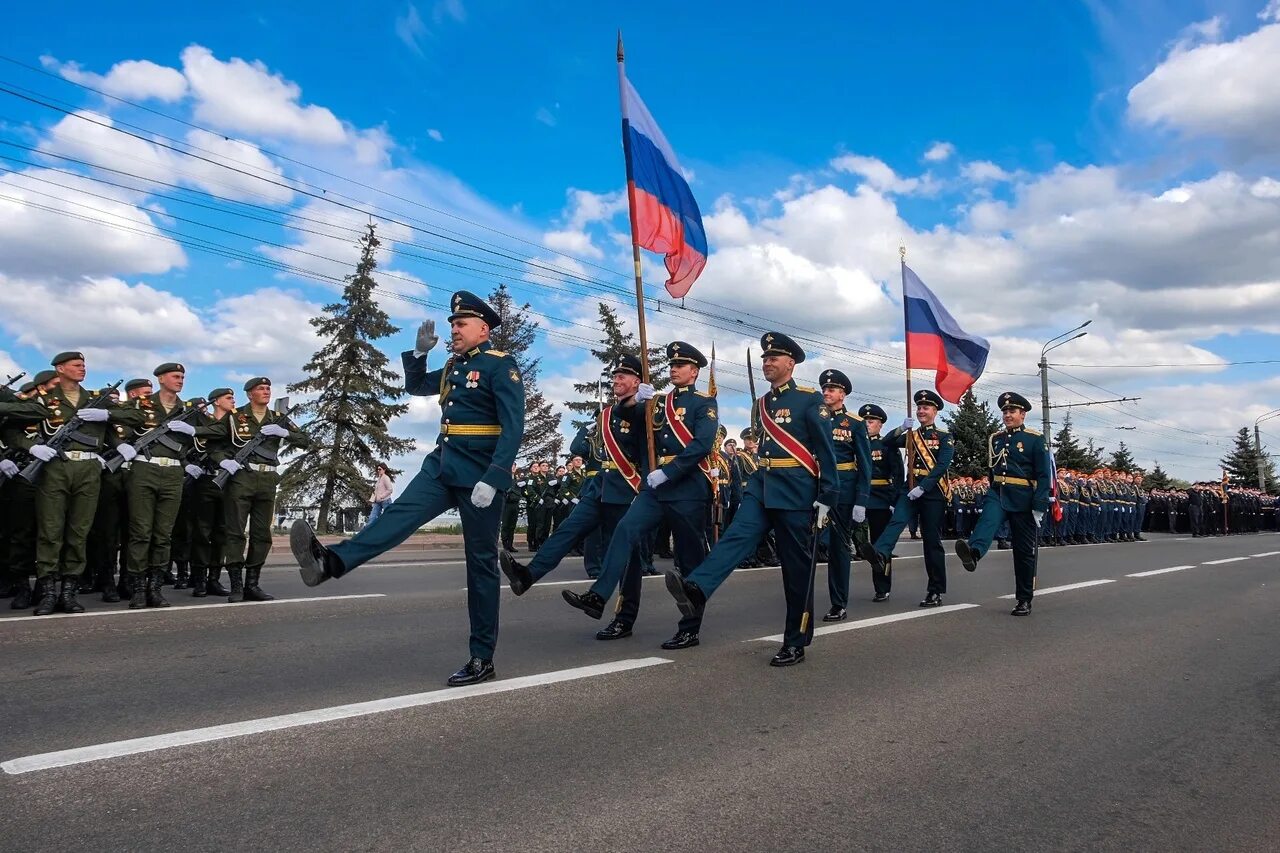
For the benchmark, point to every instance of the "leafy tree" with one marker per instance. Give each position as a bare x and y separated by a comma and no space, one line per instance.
542,439
1241,463
971,426
354,403
616,342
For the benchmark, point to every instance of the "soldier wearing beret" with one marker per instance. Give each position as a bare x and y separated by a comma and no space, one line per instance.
678,491
17,496
107,551
929,452
208,513
482,402
886,488
853,461
791,494
1019,492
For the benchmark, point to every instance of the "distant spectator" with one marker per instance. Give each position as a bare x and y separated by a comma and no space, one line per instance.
381,498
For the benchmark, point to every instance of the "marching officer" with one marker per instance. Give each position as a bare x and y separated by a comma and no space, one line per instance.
208,513
1019,492
791,494
481,399
853,461
678,491
929,452
886,488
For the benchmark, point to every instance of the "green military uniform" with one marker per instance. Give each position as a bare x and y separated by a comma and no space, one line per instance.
535,510
511,513
18,497
208,520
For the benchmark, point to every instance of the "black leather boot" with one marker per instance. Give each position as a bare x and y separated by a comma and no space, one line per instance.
70,586
46,595
198,588
213,585
253,592
236,575
138,598
184,575
21,595
125,584
155,594
166,575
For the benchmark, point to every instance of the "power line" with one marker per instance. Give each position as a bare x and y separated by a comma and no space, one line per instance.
1126,366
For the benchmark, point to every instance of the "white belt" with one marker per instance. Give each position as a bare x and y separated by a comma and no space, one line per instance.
258,466
80,455
162,461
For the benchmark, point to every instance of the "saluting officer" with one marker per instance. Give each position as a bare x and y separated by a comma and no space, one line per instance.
678,491
929,452
797,479
481,399
886,488
853,461
1019,492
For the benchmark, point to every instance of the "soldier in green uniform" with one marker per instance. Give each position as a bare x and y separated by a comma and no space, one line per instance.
17,496
1019,492
107,550
511,511
155,483
249,498
67,490
208,522
535,486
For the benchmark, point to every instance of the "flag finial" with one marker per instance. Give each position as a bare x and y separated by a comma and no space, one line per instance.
619,45
902,251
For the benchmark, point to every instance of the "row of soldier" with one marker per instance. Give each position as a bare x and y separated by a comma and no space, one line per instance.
98,486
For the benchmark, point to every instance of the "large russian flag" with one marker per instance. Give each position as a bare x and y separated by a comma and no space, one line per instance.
935,341
667,217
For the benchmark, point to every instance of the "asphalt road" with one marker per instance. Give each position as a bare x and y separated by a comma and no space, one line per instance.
1142,713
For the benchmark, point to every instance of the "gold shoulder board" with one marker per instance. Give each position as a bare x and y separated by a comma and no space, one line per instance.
496,352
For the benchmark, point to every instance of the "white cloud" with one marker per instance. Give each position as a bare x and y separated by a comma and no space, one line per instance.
435,134
985,172
545,116
410,28
939,151
879,176
132,79
449,10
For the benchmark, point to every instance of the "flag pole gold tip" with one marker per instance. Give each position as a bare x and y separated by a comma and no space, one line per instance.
619,45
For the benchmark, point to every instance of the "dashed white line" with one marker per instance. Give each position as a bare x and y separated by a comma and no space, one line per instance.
1226,560
1159,571
1051,589
189,608
876,620
117,749
1266,554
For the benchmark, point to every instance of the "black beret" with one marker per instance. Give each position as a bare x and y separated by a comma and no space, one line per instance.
169,367
255,382
218,392
27,387
871,410
467,304
133,384
44,376
926,397
1013,398
679,352
776,343
836,378
626,364
70,355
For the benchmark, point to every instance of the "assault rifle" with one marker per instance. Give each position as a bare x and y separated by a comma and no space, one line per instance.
8,383
245,453
158,435
68,432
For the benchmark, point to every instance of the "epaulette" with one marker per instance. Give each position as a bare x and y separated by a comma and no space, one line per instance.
704,394
1029,430
941,429
997,432
496,352
854,415
807,389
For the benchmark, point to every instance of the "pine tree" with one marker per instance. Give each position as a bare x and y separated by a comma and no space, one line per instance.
1067,451
617,342
1122,460
1241,463
1157,479
542,439
1092,457
354,392
971,426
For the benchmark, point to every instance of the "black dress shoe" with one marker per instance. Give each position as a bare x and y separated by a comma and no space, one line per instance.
933,599
688,597
682,640
518,575
835,614
965,553
474,672
615,630
1002,544
788,656
316,563
1022,608
881,596
589,603
876,560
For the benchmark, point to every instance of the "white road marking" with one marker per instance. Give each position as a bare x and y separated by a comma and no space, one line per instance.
506,588
1159,571
1226,560
189,608
877,620
117,749
1066,587
1266,554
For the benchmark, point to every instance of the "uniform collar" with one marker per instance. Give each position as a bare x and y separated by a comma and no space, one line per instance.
692,386
840,411
1012,430
483,346
785,386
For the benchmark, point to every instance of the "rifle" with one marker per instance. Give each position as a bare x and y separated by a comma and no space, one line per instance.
251,446
69,430
8,383
160,434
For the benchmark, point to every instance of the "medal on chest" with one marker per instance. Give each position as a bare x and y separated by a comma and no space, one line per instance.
473,379
782,416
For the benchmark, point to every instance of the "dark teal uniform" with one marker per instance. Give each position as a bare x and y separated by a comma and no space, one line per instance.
854,464
482,421
930,457
886,488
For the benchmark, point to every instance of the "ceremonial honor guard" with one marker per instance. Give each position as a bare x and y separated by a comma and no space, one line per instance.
853,461
886,488
1019,492
791,494
481,399
678,492
616,444
929,451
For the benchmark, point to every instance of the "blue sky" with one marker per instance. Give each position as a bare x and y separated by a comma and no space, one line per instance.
1044,163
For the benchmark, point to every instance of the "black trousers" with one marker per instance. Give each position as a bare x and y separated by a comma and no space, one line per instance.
878,520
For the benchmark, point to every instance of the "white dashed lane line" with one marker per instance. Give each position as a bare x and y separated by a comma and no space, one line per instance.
1052,589
1159,571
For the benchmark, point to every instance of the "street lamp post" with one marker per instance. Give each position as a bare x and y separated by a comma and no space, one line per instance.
1257,446
1052,344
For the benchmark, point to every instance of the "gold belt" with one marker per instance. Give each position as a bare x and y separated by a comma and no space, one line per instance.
593,473
609,466
882,482
780,463
847,466
666,460
470,429
1014,481
921,472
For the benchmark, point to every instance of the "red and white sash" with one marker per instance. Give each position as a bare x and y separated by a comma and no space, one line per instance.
684,435
625,466
787,441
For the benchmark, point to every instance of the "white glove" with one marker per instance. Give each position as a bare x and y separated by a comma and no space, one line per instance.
93,416
427,338
644,392
231,466
195,471
1037,514
907,424
575,500
181,427
127,452
101,461
823,510
859,514
482,495
44,452
8,468
655,479
273,431
915,493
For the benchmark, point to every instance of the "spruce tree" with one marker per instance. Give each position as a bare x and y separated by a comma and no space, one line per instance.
1122,460
1157,479
542,439
1067,451
971,426
1241,463
1092,457
355,393
616,342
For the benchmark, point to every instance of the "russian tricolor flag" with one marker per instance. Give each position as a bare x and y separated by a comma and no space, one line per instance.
667,218
935,341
